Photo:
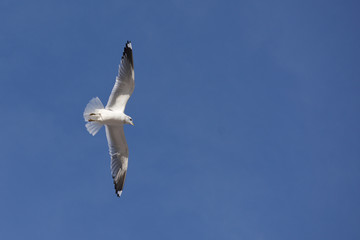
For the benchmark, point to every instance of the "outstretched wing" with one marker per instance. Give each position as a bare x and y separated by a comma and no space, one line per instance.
119,154
125,83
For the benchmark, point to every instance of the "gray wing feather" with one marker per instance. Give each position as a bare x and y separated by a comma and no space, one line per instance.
119,154
125,82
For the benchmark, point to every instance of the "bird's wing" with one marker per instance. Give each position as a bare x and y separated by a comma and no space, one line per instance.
125,83
119,154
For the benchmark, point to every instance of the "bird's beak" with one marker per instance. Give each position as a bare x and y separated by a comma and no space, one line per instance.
132,123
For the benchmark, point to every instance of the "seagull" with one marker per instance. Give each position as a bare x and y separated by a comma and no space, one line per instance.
114,118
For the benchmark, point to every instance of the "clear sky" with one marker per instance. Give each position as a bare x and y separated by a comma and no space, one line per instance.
246,119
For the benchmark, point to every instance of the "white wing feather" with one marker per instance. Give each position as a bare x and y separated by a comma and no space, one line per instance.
125,83
119,154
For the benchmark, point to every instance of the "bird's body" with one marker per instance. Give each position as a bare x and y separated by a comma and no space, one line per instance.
108,117
113,117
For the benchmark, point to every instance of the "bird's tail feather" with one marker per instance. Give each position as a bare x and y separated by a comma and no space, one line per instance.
91,110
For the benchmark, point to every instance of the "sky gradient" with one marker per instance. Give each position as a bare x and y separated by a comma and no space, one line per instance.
246,120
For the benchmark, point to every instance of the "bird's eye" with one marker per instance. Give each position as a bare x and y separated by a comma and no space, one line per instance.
130,119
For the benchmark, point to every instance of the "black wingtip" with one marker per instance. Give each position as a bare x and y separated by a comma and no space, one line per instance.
119,182
128,52
128,44
118,189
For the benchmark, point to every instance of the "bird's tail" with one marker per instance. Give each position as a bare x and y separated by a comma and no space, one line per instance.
91,115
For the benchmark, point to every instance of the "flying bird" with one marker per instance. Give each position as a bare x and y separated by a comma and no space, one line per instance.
114,118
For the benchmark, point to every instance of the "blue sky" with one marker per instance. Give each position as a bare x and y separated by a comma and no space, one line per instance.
246,120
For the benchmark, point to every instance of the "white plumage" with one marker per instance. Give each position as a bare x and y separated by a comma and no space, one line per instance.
113,117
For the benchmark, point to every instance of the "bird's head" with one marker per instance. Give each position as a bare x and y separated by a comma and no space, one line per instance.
129,120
